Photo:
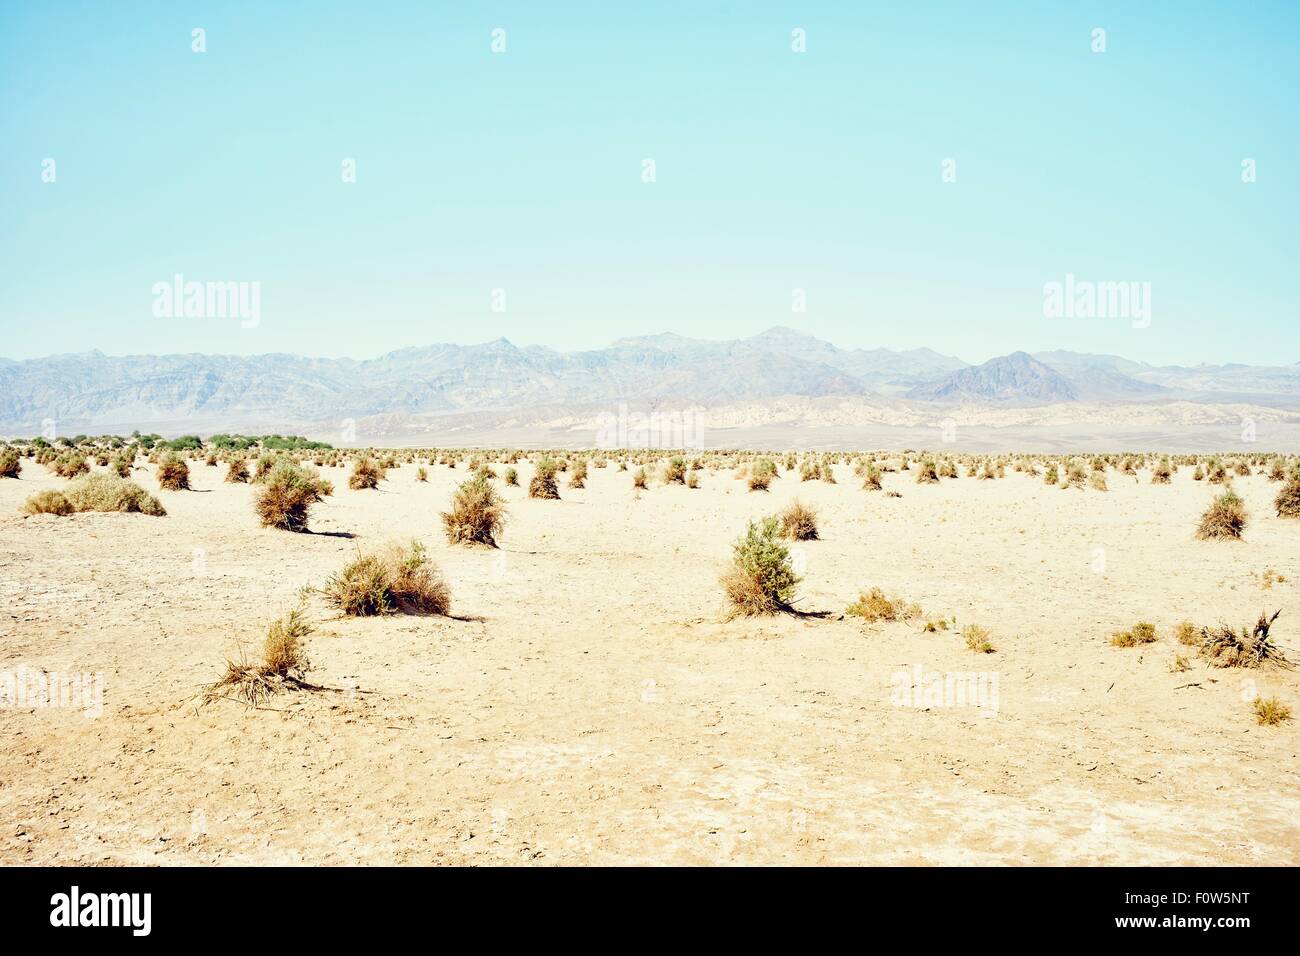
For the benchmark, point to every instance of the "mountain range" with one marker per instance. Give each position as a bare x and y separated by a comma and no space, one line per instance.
497,384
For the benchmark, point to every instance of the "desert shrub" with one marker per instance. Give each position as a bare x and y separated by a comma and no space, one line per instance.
1074,475
927,473
1249,647
264,465
105,492
871,478
1198,474
1179,664
799,522
1143,632
1277,471
477,513
761,474
10,463
1051,476
1287,501
1216,472
237,471
692,480
288,491
639,478
543,483
1187,633
173,473
1225,518
675,470
421,474
282,667
761,579
512,477
876,606
1270,712
366,473
811,470
48,503
120,465
578,474
70,464
977,639
395,578
1097,480
1162,473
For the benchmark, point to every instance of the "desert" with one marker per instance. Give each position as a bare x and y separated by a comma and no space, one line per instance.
1015,658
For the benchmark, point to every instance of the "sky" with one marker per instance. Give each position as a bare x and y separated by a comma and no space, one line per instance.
505,193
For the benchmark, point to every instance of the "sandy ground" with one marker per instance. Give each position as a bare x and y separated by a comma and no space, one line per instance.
589,705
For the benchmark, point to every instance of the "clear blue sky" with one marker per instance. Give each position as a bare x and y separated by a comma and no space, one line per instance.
775,170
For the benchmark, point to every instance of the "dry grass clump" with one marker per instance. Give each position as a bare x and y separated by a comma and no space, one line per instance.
1248,647
1097,481
639,478
675,471
1270,712
1225,518
1143,632
264,465
173,473
120,465
1187,633
512,477
871,478
1179,664
1287,501
543,483
287,494
282,667
422,474
875,606
1163,473
927,473
70,464
105,492
799,522
48,503
761,579
366,473
395,578
237,471
977,639
10,463
477,513
761,474
578,474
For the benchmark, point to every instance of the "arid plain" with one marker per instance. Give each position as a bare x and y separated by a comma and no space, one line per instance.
590,701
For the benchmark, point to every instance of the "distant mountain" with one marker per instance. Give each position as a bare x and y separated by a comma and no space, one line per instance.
499,381
1018,378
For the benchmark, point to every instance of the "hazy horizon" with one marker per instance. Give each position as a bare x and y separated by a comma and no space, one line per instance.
374,355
